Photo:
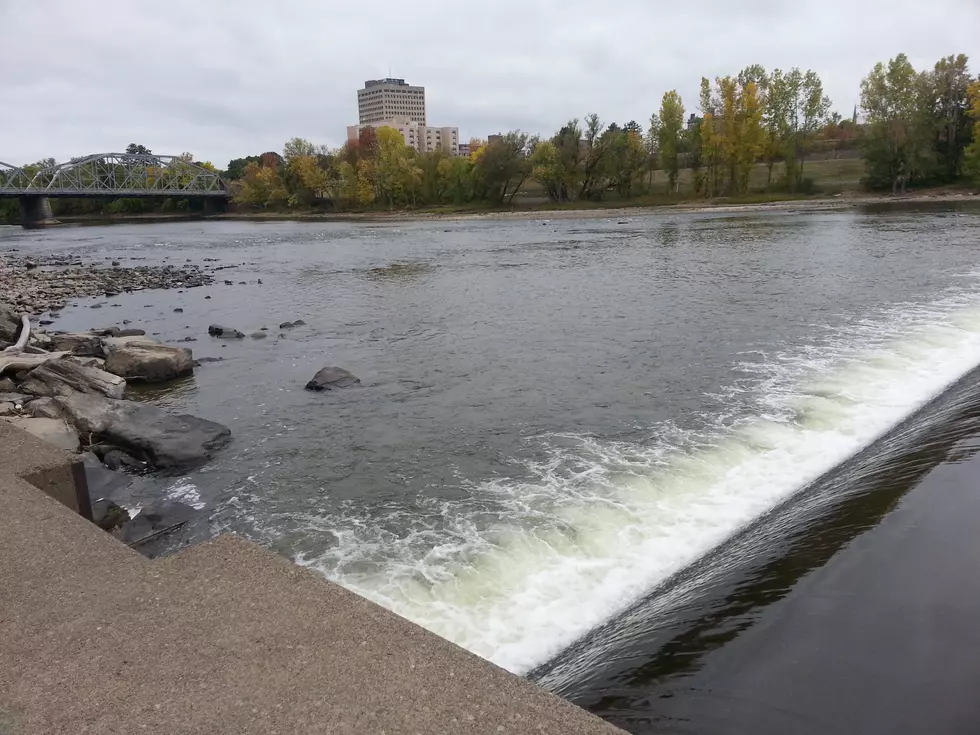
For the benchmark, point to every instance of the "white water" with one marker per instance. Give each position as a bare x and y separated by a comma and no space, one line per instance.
603,523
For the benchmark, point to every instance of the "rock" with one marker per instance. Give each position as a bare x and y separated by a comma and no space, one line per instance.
139,358
224,332
286,325
78,343
7,409
95,306
96,362
64,377
258,335
178,311
207,297
299,323
229,283
15,398
329,378
116,459
188,339
163,439
9,325
7,386
202,360
43,408
115,263
128,332
53,431
107,515
156,520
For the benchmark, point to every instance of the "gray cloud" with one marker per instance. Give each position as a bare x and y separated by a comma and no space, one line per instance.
224,80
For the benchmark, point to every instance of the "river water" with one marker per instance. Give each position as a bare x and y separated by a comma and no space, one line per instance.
554,416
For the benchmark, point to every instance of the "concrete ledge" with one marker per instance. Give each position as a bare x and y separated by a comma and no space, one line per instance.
224,637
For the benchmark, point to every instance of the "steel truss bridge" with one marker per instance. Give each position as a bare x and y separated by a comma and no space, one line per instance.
114,175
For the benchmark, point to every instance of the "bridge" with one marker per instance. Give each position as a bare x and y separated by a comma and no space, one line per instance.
111,175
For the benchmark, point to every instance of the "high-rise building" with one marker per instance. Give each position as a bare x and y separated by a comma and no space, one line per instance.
387,99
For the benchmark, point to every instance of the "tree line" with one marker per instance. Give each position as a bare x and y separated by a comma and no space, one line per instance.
753,129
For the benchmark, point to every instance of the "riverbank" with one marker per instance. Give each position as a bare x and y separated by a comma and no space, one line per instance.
575,210
222,638
585,210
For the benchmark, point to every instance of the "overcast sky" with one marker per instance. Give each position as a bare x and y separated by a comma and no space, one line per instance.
230,78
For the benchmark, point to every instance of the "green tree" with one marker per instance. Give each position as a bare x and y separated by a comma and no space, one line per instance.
669,128
971,154
899,134
776,131
502,166
951,80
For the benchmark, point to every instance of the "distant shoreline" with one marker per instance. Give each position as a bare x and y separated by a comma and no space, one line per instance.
839,202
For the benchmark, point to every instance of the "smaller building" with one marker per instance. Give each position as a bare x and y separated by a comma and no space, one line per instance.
422,138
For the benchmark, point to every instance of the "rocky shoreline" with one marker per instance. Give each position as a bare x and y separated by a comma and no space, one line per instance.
45,283
69,388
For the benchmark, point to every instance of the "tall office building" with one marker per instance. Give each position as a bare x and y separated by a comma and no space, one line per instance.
387,99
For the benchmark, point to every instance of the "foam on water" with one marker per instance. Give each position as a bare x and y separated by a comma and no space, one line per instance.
602,523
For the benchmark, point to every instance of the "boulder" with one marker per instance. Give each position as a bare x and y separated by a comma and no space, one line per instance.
156,520
9,325
107,515
116,459
96,362
43,408
7,409
53,431
65,376
78,343
328,378
7,386
224,332
258,335
286,325
139,358
162,439
15,398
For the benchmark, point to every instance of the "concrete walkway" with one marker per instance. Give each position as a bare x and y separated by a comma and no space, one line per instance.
224,637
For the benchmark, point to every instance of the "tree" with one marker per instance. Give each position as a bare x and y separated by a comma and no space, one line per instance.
547,170
807,112
669,128
393,174
951,80
899,135
261,186
775,118
135,149
971,155
296,148
597,148
502,166
236,167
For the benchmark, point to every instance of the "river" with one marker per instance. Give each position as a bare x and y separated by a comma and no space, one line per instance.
554,416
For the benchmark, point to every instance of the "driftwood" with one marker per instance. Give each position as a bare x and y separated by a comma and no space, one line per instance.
25,334
26,362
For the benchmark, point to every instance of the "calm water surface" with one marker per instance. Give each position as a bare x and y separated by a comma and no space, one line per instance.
554,416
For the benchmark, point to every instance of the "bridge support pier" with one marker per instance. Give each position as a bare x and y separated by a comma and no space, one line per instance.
35,213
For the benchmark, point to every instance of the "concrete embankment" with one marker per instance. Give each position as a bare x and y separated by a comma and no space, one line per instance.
223,637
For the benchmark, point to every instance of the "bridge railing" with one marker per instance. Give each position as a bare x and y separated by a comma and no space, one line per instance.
115,174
